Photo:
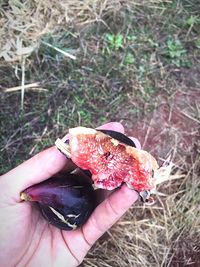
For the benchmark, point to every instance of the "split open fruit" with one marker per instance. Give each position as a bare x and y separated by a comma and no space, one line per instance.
111,161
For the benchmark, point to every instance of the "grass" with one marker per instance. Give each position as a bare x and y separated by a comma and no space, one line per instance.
130,58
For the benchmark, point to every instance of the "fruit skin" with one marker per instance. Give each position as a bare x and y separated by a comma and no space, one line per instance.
119,137
116,135
65,201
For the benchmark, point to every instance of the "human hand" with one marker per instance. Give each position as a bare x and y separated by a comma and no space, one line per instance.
26,239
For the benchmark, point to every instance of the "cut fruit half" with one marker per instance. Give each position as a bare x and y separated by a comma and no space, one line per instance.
110,161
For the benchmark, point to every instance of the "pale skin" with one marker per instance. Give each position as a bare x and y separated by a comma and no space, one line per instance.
26,239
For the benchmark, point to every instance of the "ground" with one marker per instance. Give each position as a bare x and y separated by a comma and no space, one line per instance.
137,62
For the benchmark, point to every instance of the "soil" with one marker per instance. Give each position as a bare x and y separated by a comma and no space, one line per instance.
172,127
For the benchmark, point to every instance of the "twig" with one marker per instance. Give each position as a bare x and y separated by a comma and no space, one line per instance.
61,51
190,117
23,82
148,132
39,140
32,86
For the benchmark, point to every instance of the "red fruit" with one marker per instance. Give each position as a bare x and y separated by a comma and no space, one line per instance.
110,161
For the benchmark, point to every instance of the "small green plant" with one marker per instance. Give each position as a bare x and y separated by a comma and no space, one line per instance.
115,41
129,59
141,72
175,48
192,20
175,52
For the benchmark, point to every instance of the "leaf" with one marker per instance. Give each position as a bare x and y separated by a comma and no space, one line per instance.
197,43
129,59
119,41
110,37
192,20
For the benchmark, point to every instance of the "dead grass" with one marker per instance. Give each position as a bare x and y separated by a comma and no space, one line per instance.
24,23
166,234
157,57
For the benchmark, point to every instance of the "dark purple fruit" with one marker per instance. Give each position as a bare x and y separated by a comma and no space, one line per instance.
65,202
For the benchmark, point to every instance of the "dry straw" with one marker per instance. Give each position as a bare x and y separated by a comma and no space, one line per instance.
24,23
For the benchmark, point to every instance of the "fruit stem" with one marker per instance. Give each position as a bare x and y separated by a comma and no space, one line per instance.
25,197
63,147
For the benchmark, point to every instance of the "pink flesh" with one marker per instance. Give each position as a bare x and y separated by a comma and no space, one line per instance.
109,164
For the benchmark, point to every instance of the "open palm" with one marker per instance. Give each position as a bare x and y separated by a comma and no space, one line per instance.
26,239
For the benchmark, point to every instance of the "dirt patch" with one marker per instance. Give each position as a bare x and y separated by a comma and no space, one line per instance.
186,257
172,127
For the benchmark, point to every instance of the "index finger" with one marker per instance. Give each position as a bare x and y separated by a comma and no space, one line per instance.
108,212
